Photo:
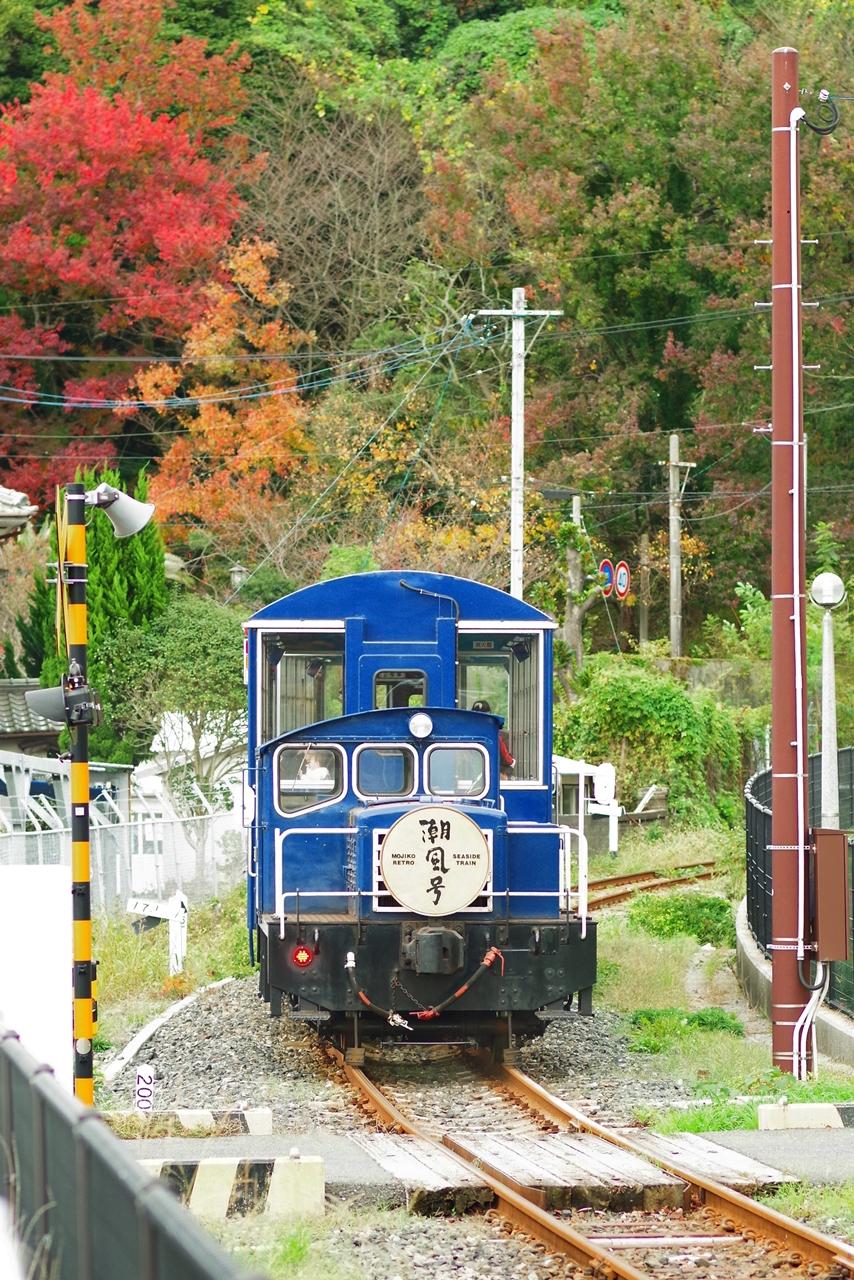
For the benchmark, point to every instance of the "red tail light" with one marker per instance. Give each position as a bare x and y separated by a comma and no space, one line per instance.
302,956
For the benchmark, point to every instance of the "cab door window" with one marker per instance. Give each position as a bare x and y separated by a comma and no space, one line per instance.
400,689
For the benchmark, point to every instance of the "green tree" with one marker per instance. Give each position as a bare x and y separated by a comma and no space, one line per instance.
656,732
126,585
179,681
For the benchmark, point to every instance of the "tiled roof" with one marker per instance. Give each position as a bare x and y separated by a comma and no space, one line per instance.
15,715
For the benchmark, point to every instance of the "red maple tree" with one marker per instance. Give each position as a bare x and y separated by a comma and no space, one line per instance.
117,197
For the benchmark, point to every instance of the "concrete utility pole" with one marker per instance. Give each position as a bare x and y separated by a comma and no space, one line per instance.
643,596
789,813
577,607
518,315
676,487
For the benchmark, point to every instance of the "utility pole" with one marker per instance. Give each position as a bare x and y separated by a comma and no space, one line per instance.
577,605
676,487
789,814
517,315
643,597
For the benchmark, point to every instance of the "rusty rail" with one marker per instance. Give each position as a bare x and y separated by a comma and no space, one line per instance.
611,890
747,1214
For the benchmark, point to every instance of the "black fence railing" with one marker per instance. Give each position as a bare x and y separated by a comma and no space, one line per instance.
83,1206
757,814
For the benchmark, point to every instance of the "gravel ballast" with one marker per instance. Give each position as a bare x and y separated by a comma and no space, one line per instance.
224,1051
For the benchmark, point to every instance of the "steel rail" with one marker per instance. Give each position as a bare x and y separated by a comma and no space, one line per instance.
627,886
516,1207
653,873
734,1207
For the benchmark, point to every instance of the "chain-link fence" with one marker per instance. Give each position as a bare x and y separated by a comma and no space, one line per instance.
202,857
757,795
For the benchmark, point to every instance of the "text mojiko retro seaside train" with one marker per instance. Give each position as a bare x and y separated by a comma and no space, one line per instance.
406,876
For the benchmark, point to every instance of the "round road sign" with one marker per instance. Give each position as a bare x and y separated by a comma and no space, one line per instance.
606,573
622,580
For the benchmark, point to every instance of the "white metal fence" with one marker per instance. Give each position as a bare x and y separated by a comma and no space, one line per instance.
202,857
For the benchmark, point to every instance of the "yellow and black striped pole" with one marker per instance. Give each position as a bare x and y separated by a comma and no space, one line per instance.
75,573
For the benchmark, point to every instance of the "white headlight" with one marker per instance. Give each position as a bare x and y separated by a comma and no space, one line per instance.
420,725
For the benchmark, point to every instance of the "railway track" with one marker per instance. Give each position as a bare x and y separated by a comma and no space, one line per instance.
717,1233
611,890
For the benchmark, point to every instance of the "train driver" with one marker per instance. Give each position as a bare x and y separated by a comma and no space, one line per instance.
507,760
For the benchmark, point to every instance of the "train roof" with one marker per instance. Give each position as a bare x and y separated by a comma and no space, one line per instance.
376,594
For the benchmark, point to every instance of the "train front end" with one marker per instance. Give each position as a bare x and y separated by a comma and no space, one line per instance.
406,878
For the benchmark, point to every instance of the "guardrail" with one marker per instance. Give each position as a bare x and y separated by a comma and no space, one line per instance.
757,795
81,1205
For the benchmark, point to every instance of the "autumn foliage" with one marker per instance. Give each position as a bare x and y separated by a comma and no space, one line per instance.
113,215
237,444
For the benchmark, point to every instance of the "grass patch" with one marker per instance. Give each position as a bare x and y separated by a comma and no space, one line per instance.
136,1125
733,1085
717,1117
133,968
655,847
830,1208
638,971
656,1030
699,915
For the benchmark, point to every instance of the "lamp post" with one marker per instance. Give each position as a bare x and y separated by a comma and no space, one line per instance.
76,705
828,591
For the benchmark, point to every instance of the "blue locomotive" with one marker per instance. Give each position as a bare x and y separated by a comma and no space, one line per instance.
406,876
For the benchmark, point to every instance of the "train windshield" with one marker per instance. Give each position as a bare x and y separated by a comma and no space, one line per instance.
308,775
302,681
456,771
501,673
385,771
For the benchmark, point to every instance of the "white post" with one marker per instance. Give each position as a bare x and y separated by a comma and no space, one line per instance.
828,591
675,551
518,315
177,933
829,762
517,445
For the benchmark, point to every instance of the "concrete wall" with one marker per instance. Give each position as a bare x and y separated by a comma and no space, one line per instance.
834,1031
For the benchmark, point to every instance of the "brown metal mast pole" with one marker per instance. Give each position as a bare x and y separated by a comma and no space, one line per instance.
789,814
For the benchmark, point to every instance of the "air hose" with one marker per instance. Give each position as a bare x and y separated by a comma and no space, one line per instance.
387,1015
493,954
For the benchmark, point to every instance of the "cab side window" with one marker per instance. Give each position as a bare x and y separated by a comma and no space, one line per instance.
500,673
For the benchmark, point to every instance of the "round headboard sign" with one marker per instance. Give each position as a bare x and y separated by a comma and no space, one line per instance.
435,860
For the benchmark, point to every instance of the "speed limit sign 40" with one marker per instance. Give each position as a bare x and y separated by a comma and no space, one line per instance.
622,580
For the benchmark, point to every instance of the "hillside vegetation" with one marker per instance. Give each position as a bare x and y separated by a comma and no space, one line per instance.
245,248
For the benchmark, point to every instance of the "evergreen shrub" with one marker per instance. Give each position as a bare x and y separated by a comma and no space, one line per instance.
701,916
655,731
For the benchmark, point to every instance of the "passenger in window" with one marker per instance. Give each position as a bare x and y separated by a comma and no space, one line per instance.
313,769
507,760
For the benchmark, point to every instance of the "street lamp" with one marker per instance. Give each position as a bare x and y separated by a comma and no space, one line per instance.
238,574
828,591
73,703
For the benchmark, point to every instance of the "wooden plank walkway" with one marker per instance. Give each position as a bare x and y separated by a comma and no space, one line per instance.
710,1160
571,1169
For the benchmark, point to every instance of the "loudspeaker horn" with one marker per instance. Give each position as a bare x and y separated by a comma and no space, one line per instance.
47,703
126,514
